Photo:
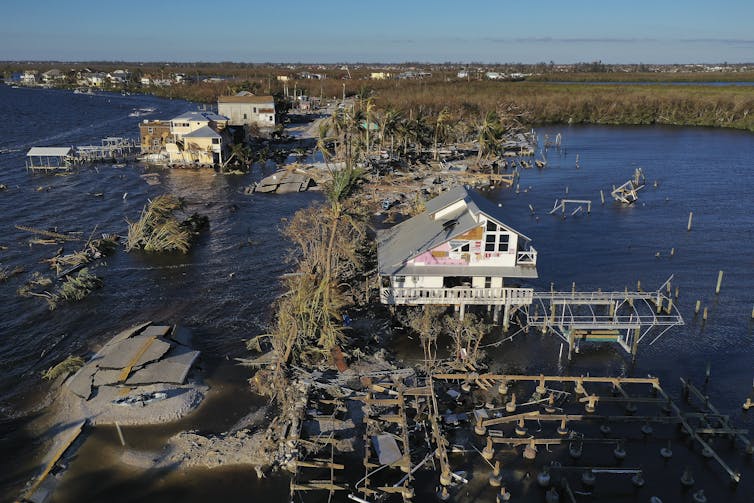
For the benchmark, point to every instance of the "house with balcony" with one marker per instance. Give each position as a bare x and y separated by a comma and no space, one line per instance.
457,252
196,138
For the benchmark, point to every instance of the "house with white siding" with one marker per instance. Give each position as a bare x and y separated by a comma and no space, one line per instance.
457,252
246,109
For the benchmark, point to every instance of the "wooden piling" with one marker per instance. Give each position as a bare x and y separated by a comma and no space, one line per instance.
719,282
691,216
602,196
672,251
670,306
635,345
704,314
697,307
120,434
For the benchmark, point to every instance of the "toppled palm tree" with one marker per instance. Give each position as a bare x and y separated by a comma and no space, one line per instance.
159,230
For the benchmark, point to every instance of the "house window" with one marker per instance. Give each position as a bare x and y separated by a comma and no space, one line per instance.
255,109
496,238
244,116
400,280
156,142
150,130
502,242
488,282
216,141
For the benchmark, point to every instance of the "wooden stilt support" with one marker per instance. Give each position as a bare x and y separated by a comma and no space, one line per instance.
719,282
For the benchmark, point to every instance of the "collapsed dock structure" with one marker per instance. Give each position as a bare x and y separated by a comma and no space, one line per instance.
459,253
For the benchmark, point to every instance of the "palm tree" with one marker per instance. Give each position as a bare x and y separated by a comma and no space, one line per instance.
440,125
390,123
368,109
322,142
490,133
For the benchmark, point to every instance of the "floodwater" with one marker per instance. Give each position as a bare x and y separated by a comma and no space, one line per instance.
222,290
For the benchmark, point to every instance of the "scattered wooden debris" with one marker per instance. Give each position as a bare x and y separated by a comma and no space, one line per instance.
628,192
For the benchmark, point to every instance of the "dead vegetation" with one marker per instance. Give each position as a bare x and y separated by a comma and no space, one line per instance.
7,273
68,366
94,249
159,228
75,287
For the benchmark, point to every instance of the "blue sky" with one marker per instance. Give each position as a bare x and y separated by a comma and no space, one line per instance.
328,31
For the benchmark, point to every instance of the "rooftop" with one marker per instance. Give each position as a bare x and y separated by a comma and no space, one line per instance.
49,152
423,232
203,132
203,116
245,97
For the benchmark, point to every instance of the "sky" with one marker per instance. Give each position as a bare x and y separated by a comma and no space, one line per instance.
382,31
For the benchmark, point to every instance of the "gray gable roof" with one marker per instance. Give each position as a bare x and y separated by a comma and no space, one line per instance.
422,233
203,132
200,116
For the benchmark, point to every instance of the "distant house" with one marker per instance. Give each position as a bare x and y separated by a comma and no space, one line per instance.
379,75
463,74
494,75
96,79
29,77
246,109
457,252
118,77
283,78
312,76
52,76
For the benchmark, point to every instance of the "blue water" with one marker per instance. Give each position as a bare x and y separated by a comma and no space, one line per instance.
223,289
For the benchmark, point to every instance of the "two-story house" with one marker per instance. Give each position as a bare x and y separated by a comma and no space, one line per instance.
246,109
457,252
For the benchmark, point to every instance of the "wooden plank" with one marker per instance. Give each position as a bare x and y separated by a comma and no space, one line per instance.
55,458
318,486
655,382
319,464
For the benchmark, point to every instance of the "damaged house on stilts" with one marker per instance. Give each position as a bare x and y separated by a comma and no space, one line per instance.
457,252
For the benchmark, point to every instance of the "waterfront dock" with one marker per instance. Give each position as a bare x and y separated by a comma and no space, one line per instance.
111,149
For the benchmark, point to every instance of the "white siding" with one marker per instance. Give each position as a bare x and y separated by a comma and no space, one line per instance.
417,281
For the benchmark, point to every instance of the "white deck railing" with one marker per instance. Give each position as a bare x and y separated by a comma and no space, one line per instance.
456,295
527,257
